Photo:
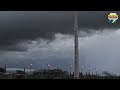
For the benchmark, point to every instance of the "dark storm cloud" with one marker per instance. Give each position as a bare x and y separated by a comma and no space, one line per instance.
17,26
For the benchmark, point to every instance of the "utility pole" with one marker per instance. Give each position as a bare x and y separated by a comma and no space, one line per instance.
76,67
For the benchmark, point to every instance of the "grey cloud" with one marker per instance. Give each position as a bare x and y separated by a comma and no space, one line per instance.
100,51
17,26
56,52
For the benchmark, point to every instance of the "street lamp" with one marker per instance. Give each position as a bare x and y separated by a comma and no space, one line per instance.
24,69
89,69
96,71
70,69
81,69
30,68
58,72
48,66
58,66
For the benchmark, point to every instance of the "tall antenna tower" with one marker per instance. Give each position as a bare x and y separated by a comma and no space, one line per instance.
76,66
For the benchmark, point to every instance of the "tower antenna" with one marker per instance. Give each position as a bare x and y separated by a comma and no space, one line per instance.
76,66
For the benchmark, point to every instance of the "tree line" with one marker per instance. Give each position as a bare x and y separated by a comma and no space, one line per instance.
55,74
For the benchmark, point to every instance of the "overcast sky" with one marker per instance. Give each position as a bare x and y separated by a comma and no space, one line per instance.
16,26
43,37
